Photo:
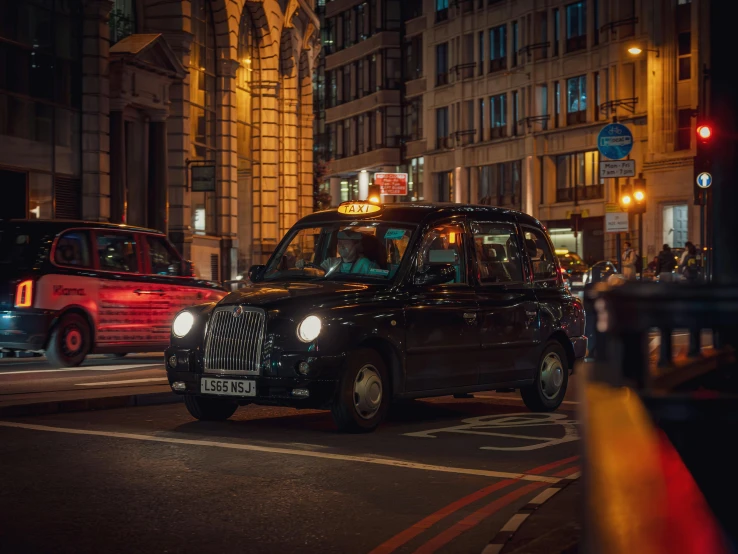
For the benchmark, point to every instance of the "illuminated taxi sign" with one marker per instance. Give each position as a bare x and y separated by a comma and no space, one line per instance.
358,208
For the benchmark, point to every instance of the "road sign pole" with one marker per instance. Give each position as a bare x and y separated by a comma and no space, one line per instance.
640,241
618,256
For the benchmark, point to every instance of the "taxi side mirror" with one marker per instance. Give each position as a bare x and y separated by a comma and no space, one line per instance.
255,273
436,274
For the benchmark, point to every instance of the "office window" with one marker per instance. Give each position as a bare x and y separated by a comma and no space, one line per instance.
441,10
441,128
359,122
557,31
497,44
359,67
557,103
684,133
516,113
482,127
414,119
373,74
497,113
499,184
392,68
598,94
576,26
442,64
596,17
481,52
515,43
576,100
347,151
347,95
414,58
392,17
578,177
685,56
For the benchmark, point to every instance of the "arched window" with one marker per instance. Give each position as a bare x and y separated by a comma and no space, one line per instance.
247,74
202,110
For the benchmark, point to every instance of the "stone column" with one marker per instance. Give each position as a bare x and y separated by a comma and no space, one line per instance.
137,139
288,163
266,170
335,191
95,110
305,147
117,165
158,171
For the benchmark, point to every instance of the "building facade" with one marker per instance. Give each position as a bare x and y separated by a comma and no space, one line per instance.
193,117
513,93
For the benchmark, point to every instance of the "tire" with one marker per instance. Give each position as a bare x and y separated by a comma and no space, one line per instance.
70,342
209,409
550,381
363,396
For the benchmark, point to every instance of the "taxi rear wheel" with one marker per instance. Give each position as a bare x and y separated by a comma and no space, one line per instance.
550,381
364,394
209,409
70,342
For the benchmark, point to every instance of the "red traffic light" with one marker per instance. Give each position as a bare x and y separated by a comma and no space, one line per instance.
704,132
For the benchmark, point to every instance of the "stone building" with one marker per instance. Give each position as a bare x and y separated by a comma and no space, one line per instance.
193,117
501,102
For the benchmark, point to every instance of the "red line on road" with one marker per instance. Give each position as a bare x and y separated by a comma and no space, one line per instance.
568,471
427,522
474,519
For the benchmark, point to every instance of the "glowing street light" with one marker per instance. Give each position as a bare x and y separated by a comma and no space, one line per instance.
625,200
639,195
637,50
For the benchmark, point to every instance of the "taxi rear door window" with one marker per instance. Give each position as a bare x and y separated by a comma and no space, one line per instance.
73,250
117,252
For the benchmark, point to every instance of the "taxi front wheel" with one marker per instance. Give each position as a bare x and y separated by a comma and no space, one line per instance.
363,395
550,381
70,341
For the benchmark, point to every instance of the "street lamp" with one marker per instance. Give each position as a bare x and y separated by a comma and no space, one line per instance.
625,201
636,50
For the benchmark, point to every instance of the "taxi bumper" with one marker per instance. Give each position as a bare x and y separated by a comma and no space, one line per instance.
281,385
25,330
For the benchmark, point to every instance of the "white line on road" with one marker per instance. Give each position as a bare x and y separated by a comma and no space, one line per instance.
275,450
127,381
73,369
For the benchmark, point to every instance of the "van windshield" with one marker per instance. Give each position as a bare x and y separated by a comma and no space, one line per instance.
18,247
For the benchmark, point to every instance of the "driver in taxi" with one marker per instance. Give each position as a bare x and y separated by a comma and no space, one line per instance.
350,257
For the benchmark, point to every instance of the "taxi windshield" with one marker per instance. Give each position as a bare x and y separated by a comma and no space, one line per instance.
355,250
571,261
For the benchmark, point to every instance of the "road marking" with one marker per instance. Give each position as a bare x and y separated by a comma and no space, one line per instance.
73,369
474,519
276,450
126,382
429,521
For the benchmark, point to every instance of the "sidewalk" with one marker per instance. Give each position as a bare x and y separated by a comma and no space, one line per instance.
554,528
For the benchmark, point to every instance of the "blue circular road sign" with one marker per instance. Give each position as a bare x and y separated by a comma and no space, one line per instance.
615,141
704,180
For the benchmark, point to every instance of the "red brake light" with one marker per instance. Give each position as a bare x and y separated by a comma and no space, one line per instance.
24,294
704,132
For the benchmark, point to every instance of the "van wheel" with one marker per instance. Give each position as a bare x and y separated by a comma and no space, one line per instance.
550,381
209,409
363,395
70,342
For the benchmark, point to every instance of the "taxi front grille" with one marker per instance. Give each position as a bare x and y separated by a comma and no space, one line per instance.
233,340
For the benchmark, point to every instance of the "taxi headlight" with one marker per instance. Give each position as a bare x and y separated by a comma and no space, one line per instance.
182,324
309,328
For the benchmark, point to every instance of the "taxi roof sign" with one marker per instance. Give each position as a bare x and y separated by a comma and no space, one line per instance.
358,208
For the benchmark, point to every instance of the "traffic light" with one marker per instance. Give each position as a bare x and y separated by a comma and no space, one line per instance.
703,159
375,194
639,196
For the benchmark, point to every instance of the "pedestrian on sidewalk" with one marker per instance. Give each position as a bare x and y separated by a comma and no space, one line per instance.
665,265
629,262
689,266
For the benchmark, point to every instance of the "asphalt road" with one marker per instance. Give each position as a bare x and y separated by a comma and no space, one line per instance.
440,476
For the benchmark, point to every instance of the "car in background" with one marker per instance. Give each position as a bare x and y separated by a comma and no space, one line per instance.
73,288
574,268
600,272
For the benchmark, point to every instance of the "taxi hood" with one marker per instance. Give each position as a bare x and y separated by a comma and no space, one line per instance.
315,293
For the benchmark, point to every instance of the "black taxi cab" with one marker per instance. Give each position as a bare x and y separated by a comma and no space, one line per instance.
366,304
71,288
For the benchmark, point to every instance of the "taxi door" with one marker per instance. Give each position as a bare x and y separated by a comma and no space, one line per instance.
123,292
441,320
170,289
507,304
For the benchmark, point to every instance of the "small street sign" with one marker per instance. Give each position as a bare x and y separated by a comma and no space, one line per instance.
610,208
392,184
704,180
615,141
619,168
616,222
203,178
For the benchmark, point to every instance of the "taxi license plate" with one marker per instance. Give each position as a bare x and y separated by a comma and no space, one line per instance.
229,387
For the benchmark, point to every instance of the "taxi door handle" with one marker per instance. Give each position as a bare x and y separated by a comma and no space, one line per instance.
139,291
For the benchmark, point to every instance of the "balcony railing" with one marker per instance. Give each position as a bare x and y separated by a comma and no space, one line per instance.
464,71
465,138
444,143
